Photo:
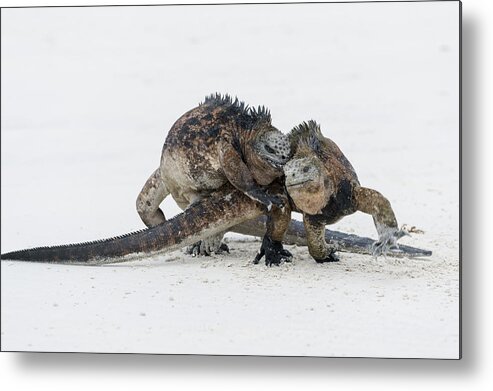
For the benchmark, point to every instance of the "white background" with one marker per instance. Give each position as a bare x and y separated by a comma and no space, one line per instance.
384,374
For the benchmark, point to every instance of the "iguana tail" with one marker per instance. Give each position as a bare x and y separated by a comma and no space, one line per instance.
296,235
207,217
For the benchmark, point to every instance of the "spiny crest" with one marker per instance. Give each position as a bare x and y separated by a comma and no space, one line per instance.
306,130
254,115
81,244
226,100
261,113
307,135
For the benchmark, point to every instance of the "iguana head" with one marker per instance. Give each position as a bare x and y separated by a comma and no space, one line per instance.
266,152
307,180
264,148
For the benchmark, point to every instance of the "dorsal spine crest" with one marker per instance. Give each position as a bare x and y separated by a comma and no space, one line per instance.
307,135
254,114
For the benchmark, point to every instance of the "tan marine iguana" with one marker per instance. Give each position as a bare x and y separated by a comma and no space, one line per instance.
329,195
323,185
222,140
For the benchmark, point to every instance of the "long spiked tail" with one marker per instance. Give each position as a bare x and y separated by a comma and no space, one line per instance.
342,242
202,219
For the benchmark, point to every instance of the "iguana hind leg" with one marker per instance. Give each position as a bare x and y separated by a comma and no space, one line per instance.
213,244
149,199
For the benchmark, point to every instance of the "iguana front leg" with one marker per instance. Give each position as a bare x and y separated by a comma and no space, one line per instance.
277,224
239,175
372,202
315,235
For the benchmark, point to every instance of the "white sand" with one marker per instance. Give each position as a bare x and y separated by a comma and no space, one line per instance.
87,99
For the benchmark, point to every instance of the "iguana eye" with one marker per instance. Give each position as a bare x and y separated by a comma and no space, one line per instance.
269,149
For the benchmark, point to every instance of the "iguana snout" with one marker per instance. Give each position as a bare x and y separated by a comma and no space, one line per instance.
273,146
267,155
301,171
307,184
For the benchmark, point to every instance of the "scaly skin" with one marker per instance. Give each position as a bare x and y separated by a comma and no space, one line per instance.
220,141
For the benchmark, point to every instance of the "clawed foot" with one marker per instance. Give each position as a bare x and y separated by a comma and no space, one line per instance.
388,241
207,247
274,253
331,258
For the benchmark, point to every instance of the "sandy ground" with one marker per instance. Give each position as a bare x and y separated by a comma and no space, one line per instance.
227,305
86,107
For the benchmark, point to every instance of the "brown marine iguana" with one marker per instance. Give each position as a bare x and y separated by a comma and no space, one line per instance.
335,193
222,140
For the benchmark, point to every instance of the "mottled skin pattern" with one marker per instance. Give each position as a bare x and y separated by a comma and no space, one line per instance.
221,141
323,185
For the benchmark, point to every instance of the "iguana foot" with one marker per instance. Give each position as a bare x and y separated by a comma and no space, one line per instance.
223,248
274,253
388,241
212,245
332,257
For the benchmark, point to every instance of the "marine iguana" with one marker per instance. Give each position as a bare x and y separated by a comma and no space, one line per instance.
222,140
329,195
323,185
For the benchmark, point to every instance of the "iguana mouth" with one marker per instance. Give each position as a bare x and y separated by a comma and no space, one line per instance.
274,162
295,184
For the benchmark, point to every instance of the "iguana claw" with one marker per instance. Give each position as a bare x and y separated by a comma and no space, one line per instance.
388,241
207,247
274,253
332,257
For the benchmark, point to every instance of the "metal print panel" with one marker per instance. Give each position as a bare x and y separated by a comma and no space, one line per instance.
346,115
